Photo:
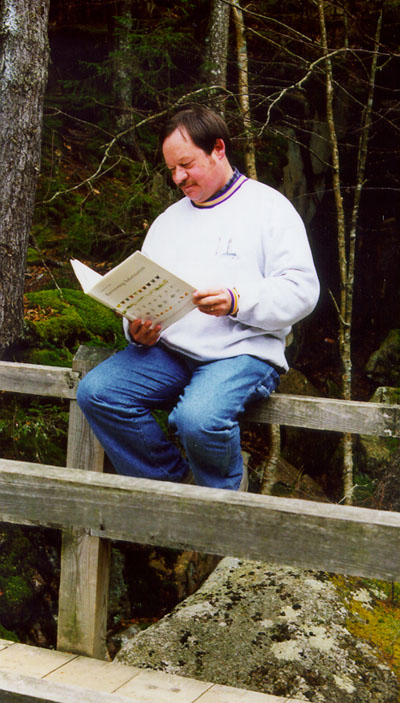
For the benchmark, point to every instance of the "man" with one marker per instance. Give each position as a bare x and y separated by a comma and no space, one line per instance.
245,248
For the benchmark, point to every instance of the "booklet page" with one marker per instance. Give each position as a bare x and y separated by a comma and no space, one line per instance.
140,288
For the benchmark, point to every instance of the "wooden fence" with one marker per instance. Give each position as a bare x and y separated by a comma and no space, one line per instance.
92,508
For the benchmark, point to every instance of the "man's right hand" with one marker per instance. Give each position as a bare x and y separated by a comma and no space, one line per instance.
143,332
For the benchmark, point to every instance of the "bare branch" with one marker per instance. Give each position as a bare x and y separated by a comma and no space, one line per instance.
298,84
147,120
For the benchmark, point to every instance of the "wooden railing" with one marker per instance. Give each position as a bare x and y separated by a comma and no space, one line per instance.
92,508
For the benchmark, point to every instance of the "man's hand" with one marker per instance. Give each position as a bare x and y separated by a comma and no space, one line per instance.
143,332
217,302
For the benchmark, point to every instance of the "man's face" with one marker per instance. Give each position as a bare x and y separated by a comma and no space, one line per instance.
199,175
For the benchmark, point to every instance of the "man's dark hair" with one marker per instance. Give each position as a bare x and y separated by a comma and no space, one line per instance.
203,126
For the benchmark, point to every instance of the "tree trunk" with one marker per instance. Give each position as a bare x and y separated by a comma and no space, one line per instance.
23,76
216,58
344,320
347,244
123,72
249,151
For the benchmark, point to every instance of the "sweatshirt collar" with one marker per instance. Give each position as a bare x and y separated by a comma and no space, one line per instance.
229,189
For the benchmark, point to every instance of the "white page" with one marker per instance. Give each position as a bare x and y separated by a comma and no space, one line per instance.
85,275
139,288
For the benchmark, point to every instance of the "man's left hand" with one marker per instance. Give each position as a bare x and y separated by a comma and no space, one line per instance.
217,302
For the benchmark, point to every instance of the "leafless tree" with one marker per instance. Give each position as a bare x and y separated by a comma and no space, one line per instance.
23,76
347,234
243,81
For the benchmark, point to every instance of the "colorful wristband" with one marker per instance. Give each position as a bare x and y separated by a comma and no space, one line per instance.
235,301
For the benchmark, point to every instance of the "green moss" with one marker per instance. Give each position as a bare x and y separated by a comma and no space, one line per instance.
374,615
49,357
17,591
16,574
57,323
8,635
32,256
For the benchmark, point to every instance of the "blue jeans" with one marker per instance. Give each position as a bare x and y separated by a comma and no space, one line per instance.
119,395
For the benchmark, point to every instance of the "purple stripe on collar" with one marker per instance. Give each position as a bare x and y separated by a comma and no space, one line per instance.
225,193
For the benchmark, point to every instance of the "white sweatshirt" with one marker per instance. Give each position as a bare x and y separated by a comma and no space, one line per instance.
254,241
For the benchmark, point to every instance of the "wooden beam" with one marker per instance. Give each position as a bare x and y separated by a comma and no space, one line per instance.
328,414
145,685
37,380
24,665
305,534
17,688
281,409
85,559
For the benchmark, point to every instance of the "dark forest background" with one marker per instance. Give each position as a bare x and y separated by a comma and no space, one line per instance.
116,65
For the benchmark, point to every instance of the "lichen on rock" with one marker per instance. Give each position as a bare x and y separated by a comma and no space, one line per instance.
277,630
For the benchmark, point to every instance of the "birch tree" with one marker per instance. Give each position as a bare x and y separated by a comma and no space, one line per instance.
345,61
216,54
23,75
347,234
243,89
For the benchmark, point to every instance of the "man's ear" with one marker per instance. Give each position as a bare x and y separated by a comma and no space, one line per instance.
219,148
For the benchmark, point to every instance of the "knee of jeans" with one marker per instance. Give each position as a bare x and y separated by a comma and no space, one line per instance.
85,393
191,422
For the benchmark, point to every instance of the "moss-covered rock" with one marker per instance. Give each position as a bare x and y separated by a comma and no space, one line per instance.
373,615
57,322
278,630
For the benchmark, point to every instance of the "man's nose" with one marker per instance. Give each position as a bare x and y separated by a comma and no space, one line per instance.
180,175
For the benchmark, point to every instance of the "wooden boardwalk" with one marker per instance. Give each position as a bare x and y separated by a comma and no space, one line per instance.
33,674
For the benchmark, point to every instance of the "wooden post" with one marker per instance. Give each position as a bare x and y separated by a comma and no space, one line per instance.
85,560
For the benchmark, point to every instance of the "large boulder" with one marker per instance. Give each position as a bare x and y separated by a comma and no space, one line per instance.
272,629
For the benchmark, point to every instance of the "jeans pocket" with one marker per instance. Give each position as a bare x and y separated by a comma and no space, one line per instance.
267,385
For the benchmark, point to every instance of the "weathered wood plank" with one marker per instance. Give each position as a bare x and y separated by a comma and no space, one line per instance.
33,661
38,380
156,687
153,686
328,414
84,451
305,534
94,674
6,643
57,381
85,559
83,597
80,677
18,688
293,410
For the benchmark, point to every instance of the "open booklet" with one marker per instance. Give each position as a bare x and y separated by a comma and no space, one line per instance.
138,288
